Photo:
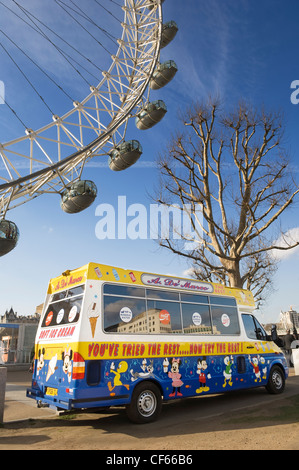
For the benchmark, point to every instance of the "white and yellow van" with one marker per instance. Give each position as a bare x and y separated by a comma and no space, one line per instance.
110,336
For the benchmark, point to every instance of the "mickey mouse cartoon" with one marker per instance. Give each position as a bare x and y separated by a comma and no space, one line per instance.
67,367
202,366
41,360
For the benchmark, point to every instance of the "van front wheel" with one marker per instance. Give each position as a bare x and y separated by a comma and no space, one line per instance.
146,403
276,382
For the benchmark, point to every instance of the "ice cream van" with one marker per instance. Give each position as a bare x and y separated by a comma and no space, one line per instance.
119,337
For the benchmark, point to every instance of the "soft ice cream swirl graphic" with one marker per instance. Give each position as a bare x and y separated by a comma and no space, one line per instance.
93,315
51,367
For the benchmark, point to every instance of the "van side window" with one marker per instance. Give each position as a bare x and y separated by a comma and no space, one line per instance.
139,310
253,328
164,317
225,320
196,319
125,315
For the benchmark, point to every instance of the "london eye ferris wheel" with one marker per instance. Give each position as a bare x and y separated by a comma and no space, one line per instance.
51,159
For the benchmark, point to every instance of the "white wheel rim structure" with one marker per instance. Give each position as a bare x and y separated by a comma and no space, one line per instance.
49,159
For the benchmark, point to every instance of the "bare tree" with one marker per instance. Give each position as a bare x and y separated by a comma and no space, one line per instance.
234,165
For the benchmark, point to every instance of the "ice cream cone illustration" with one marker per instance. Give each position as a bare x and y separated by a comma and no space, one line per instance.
93,316
51,367
93,324
165,365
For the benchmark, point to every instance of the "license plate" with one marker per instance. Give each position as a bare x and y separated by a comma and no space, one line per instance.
51,391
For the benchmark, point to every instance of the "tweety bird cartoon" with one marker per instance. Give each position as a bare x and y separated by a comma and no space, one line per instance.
121,368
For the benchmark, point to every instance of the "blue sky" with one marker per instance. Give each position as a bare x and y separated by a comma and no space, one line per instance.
239,49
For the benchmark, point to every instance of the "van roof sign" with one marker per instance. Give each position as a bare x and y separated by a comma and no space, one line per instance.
101,272
177,283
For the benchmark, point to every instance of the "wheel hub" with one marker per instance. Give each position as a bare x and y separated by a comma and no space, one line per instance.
147,403
277,380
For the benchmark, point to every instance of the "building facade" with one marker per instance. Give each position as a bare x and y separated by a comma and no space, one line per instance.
17,336
289,320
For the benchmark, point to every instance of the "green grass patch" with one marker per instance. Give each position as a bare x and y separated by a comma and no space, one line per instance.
68,416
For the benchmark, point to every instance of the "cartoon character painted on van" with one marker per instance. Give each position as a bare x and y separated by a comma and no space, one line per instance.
202,366
147,371
67,366
264,368
228,362
117,379
40,361
175,376
259,367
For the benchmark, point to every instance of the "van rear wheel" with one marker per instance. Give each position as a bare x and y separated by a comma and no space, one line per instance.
146,403
276,382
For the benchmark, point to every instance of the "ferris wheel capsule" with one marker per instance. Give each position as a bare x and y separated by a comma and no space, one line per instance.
125,155
163,74
78,196
169,31
151,114
9,236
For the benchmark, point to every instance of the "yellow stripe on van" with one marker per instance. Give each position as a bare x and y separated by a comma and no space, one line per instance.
127,350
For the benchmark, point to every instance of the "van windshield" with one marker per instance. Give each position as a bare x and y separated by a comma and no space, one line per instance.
64,308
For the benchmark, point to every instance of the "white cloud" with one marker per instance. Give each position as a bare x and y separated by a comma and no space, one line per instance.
287,239
189,272
48,229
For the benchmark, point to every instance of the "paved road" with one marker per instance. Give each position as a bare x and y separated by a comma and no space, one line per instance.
206,422
18,406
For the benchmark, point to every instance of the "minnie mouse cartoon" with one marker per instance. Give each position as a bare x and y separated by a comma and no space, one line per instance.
176,377
67,367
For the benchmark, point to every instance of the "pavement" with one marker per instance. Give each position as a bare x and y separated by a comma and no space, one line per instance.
17,407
